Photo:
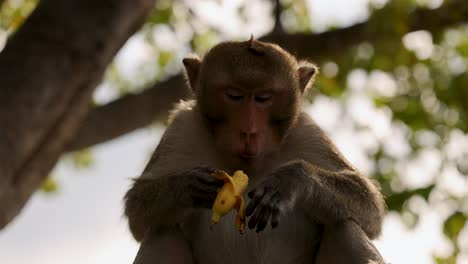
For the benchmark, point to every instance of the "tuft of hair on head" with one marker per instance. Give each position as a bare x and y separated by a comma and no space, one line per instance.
256,46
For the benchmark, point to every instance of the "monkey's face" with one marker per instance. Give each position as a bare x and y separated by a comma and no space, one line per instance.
248,93
249,100
243,125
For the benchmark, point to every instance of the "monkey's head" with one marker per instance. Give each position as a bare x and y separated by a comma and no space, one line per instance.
249,94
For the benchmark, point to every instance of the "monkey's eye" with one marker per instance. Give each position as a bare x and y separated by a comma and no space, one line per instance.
262,98
234,95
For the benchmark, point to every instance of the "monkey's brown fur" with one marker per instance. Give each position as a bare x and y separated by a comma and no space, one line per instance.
247,116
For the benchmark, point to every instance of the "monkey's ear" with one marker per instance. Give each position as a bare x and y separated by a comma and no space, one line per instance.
307,72
192,69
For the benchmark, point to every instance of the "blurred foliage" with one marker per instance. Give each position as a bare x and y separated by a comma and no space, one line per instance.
452,228
295,16
14,12
454,225
396,200
431,97
49,185
422,85
82,159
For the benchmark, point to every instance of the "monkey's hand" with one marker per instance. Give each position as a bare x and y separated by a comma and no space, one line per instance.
275,196
200,187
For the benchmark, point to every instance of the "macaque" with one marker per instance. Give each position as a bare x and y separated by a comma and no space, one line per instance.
305,202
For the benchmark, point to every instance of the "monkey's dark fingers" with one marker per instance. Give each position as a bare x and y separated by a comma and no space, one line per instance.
275,212
262,209
256,192
207,179
256,217
252,205
267,204
203,188
262,222
256,197
202,171
206,169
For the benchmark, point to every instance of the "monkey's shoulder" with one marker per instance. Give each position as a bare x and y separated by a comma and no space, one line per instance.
181,110
304,132
186,127
307,141
185,143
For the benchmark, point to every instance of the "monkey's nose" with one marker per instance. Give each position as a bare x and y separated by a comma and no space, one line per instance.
248,136
250,146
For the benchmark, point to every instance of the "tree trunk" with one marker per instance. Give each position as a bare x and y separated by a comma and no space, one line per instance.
48,71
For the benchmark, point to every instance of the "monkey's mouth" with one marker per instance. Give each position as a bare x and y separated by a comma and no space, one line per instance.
249,156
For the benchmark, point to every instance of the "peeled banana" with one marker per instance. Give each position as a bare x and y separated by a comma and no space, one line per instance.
230,196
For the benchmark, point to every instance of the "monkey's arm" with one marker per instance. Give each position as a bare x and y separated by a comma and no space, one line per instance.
173,182
318,179
330,197
327,197
333,189
150,203
163,201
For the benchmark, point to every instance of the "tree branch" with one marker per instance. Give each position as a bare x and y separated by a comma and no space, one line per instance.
48,70
133,111
331,43
100,124
278,27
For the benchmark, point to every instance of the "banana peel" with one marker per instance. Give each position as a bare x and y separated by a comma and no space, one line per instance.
229,197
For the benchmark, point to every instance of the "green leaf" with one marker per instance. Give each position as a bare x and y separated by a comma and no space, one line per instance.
454,224
165,57
329,87
162,14
82,158
396,201
449,260
201,42
49,185
462,48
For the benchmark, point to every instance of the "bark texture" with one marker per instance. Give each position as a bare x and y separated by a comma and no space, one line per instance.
48,71
134,110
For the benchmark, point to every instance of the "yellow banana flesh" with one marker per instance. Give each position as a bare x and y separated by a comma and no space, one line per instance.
230,196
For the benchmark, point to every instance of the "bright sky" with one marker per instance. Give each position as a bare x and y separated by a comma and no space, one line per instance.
83,222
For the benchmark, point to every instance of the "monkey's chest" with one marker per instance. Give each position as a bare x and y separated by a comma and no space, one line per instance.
293,241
